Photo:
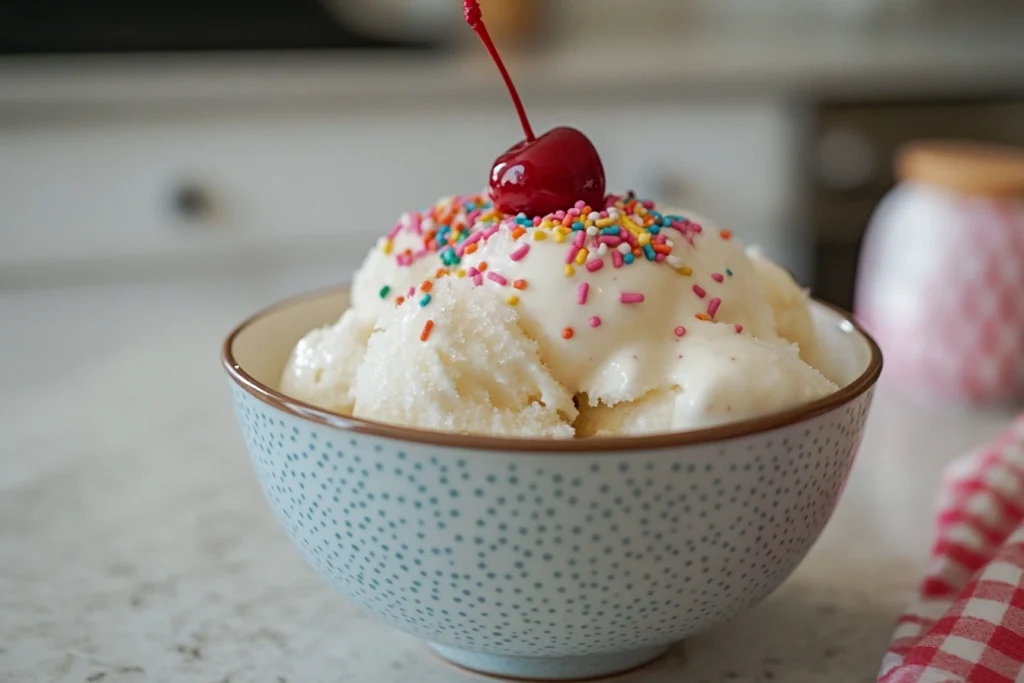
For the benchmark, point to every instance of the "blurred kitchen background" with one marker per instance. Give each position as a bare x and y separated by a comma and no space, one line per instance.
162,139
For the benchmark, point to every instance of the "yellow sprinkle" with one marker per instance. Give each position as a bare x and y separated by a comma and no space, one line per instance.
546,224
632,227
604,222
643,238
388,246
559,237
569,270
540,235
581,256
561,229
684,270
512,300
461,272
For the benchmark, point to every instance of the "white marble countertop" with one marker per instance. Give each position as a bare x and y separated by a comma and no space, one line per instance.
135,544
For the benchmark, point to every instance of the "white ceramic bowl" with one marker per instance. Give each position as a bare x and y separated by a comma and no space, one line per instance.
547,559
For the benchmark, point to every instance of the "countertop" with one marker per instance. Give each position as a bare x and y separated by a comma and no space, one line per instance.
135,544
673,58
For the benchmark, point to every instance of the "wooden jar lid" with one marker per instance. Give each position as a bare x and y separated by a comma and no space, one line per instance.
966,167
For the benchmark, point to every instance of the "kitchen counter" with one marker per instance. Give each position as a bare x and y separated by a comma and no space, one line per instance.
135,544
800,57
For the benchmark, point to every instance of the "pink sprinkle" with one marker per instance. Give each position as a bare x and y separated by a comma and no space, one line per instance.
699,291
536,221
658,258
417,223
616,259
411,293
494,277
419,253
559,214
595,264
570,255
713,306
475,237
520,252
395,230
573,211
489,232
472,272
595,321
473,215
631,298
404,260
648,204
578,239
680,331
739,328
579,205
581,293
629,238
611,240
478,279
717,277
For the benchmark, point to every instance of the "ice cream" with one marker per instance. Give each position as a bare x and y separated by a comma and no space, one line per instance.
618,319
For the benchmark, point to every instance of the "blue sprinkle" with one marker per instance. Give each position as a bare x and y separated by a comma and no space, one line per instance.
610,230
654,229
425,300
657,216
649,252
577,226
629,258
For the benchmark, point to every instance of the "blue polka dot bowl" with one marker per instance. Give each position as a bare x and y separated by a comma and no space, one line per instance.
546,559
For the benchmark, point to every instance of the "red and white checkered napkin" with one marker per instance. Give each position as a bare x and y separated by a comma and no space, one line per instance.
967,621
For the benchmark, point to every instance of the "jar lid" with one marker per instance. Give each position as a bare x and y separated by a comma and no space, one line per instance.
966,167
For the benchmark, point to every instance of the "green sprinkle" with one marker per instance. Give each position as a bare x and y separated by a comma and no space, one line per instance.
384,291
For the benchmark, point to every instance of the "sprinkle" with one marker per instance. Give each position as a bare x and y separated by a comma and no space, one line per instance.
702,316
482,266
581,256
649,252
519,284
384,291
699,291
728,272
713,306
388,246
579,239
717,277
643,238
539,235
520,252
425,300
593,216
577,226
399,301
629,258
581,293
624,249
726,234
512,300
738,328
426,286
685,271
616,259
594,321
567,333
440,272
569,270
592,230
603,224
594,265
680,331
518,232
478,279
602,249
675,262
461,272
559,237
470,248
427,327
494,277
631,298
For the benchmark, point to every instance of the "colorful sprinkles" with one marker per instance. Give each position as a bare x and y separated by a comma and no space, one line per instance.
624,231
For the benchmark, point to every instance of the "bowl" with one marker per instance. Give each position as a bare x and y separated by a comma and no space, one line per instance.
539,558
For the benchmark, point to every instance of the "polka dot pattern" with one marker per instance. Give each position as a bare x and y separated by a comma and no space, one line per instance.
552,554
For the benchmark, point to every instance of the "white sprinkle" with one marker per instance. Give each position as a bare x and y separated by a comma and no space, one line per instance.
594,215
592,230
669,243
624,248
602,249
674,261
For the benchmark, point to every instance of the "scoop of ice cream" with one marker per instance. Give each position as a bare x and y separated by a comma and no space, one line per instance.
322,366
717,377
789,303
461,364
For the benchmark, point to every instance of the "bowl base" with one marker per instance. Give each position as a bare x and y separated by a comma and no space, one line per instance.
574,668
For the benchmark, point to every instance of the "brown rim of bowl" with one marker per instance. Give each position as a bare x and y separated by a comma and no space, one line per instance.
597,444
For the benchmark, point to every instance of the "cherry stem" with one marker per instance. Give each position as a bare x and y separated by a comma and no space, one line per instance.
471,10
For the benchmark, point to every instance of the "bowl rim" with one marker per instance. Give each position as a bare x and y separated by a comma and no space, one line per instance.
598,444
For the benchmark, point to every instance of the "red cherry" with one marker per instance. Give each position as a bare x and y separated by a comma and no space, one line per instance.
553,172
540,175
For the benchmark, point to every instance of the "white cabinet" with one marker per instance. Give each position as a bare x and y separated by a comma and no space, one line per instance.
178,184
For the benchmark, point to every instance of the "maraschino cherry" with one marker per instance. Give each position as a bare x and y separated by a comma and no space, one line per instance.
540,175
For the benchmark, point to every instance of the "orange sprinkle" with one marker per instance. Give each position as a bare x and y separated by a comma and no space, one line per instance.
519,284
638,253
482,266
427,327
399,301
703,316
567,221
441,272
726,234
471,248
662,249
426,286
518,232
684,270
567,333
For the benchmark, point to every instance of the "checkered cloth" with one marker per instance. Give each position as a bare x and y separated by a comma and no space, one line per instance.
967,621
